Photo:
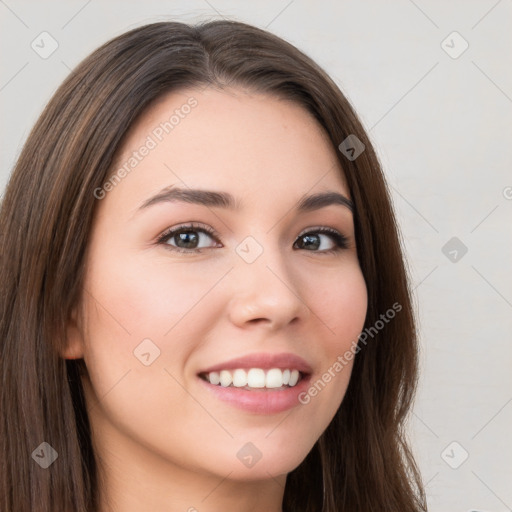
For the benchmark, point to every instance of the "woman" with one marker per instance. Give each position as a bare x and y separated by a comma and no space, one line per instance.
204,302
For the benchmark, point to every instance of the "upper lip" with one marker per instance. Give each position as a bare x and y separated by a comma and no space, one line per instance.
265,361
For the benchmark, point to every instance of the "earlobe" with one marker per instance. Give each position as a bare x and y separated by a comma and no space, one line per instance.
73,348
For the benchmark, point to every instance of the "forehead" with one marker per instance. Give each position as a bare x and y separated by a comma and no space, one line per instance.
253,145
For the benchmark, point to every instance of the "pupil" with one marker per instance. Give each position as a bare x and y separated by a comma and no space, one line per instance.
189,238
311,241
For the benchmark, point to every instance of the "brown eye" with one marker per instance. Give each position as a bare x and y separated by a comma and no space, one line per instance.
186,239
189,238
318,241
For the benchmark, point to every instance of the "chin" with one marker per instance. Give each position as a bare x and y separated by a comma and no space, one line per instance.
247,466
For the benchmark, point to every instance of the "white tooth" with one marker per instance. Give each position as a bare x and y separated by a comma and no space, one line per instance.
294,377
214,378
256,378
239,378
225,378
274,378
286,377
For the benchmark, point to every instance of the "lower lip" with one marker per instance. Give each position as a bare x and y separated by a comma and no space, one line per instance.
260,401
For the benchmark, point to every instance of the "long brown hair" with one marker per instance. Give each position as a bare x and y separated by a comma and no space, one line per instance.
362,461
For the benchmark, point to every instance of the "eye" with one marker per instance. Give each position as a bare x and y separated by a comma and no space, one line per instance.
188,238
317,240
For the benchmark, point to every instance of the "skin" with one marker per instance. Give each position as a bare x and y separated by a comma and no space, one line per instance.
163,441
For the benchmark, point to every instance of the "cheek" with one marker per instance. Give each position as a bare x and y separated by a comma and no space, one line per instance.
340,302
134,309
152,297
137,307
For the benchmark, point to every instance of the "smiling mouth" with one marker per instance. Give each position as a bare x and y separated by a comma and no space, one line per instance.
255,379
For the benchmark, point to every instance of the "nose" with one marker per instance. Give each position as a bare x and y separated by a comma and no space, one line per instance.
265,292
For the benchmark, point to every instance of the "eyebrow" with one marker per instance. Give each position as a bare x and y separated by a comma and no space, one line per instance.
216,199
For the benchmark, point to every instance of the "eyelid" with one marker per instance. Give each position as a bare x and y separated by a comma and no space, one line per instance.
316,229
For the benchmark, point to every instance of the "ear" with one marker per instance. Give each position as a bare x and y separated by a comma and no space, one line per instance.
74,345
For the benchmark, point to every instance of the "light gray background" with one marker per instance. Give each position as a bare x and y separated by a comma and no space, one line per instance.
442,127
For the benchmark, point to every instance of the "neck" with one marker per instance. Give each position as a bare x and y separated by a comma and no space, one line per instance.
134,479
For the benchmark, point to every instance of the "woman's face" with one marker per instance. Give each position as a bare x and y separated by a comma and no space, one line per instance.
253,279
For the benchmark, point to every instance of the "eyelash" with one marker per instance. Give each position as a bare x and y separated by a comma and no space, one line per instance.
340,240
